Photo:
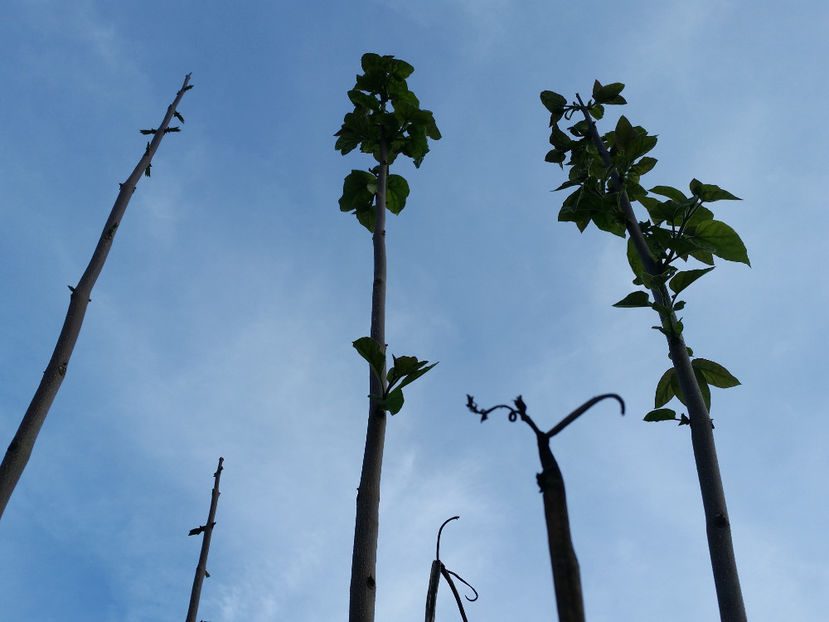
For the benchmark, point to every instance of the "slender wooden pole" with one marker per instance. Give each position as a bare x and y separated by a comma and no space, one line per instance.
207,531
20,449
363,587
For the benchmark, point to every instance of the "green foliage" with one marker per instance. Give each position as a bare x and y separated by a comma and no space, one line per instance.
636,299
403,129
406,369
604,174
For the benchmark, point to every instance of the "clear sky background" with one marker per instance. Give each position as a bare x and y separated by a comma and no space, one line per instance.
223,320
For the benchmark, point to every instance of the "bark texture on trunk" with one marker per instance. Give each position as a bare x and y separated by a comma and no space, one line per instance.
566,573
21,446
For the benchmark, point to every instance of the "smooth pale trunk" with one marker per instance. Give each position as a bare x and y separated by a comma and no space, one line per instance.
364,557
718,527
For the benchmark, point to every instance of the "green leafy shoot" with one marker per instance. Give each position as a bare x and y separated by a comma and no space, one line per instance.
387,121
604,175
406,369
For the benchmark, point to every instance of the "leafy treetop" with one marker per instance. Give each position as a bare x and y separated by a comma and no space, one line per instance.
605,173
385,133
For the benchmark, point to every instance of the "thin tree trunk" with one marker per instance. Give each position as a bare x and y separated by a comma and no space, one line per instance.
207,532
364,556
566,573
20,449
718,527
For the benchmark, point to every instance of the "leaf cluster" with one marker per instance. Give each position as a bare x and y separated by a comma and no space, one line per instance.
604,172
708,374
386,113
360,191
406,369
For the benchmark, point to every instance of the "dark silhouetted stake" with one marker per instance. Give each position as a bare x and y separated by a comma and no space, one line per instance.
566,574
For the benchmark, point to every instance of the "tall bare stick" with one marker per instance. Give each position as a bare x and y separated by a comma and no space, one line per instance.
20,449
207,530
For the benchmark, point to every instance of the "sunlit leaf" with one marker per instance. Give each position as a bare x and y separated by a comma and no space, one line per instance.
715,374
665,388
683,279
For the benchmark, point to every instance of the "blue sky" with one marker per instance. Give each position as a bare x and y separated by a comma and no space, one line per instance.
223,320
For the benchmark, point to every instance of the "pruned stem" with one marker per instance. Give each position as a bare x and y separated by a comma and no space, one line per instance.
207,532
20,449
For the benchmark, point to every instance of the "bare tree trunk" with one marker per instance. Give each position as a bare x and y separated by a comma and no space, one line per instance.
718,527
20,449
566,573
207,531
364,556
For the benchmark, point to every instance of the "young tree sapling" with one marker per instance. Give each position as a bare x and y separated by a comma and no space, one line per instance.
385,134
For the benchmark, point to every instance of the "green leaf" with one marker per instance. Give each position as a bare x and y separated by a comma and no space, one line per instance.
665,388
722,241
556,157
608,93
411,376
683,279
393,402
370,62
675,387
703,256
643,166
401,69
661,414
715,374
360,99
670,192
701,214
359,188
636,299
397,189
553,102
640,145
560,140
596,111
634,261
710,192
624,134
373,353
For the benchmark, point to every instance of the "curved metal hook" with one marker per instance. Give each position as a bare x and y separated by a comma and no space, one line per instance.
581,409
437,548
